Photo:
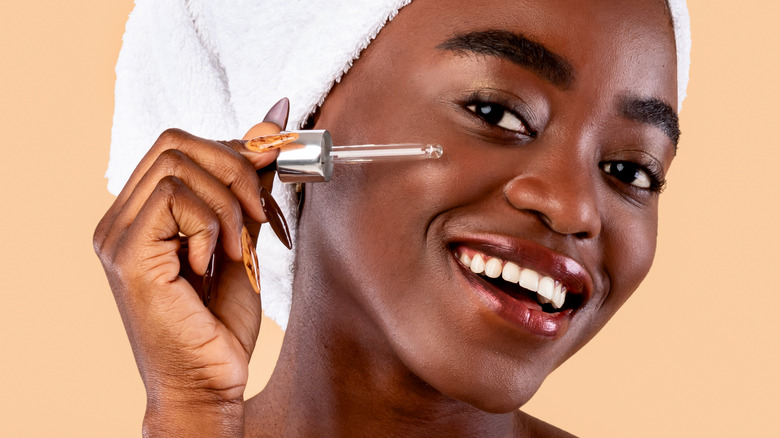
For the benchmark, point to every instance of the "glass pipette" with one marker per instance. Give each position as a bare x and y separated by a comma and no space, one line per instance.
310,155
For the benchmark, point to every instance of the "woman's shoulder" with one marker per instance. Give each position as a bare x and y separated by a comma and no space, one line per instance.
530,426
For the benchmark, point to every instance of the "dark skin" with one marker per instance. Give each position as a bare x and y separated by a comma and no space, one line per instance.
388,334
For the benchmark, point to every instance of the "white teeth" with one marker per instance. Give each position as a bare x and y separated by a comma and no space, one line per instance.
560,296
493,268
529,279
511,272
546,288
477,264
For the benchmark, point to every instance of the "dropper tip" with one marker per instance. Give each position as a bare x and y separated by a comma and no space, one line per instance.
434,150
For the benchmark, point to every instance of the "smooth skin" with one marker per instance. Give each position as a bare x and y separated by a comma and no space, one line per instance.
386,336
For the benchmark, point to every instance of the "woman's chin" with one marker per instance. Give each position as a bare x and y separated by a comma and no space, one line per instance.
496,388
498,399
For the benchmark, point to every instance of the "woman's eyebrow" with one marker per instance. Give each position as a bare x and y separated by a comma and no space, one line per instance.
517,49
653,112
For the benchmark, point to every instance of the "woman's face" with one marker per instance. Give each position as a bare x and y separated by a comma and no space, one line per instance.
557,122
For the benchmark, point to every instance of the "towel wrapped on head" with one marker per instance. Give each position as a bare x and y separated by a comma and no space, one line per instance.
214,69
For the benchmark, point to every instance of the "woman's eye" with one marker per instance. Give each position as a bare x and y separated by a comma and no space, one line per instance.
628,173
497,115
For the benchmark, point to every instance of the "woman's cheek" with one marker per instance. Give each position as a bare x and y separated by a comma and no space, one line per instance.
630,244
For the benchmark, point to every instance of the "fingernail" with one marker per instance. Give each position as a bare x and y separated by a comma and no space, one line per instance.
266,143
278,113
250,259
208,281
275,217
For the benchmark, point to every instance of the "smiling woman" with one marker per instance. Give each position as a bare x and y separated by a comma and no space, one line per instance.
432,296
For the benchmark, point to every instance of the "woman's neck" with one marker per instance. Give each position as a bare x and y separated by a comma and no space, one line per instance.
338,376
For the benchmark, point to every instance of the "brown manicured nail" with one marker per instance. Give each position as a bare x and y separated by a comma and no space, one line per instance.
208,281
275,217
250,259
266,143
278,113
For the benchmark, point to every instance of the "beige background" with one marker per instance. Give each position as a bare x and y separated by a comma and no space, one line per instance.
694,352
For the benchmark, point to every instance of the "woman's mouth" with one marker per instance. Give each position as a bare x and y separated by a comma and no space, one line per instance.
525,283
516,281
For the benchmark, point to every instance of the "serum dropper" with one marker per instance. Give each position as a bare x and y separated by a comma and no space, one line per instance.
309,155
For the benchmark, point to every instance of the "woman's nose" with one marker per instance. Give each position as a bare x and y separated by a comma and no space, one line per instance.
562,196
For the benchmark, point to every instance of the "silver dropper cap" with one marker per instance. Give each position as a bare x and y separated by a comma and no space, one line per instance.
308,163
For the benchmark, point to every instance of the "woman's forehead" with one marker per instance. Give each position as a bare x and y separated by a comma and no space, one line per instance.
537,15
571,28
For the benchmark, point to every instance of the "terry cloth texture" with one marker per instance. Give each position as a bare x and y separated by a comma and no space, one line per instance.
213,68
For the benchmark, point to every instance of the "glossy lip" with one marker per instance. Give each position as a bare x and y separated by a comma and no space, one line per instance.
524,312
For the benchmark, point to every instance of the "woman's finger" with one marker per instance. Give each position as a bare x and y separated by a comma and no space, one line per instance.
237,305
221,200
148,251
224,162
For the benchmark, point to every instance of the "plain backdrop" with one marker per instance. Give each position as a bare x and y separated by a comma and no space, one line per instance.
693,353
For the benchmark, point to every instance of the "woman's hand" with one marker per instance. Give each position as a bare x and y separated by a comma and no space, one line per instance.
193,359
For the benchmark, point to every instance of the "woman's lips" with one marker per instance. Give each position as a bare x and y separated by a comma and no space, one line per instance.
525,283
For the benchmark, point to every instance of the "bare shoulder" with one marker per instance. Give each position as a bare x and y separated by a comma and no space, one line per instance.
530,426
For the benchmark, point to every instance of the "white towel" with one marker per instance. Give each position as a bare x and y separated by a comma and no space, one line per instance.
214,68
